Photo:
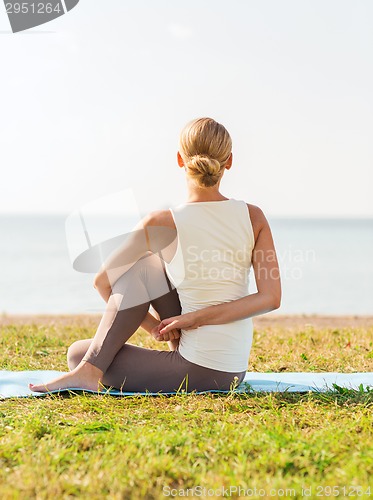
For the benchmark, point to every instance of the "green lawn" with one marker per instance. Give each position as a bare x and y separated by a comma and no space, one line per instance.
156,447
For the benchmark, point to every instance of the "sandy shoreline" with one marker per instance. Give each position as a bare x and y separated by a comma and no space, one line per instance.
265,321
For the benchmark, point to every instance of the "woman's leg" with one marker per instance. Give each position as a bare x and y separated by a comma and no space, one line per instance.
136,369
144,284
128,304
166,306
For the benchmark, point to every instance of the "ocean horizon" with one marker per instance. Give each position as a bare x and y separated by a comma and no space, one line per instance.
326,265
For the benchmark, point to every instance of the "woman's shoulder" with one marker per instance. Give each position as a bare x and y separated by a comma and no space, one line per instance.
258,219
159,218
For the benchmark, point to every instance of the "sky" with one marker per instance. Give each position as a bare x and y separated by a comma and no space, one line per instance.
92,103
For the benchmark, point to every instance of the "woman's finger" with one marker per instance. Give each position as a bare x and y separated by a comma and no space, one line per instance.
176,334
164,337
167,327
172,335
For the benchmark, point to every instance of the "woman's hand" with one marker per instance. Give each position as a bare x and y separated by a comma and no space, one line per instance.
188,321
173,334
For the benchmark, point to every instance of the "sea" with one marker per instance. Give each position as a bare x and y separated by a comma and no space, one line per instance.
326,265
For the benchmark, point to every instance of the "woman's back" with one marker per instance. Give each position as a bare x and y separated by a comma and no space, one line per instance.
211,266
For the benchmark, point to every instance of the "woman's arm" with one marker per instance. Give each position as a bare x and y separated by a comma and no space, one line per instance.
121,260
153,233
267,298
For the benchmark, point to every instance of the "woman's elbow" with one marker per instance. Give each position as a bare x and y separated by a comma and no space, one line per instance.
273,301
276,301
270,301
100,281
96,281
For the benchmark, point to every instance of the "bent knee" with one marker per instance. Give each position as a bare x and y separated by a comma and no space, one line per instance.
76,352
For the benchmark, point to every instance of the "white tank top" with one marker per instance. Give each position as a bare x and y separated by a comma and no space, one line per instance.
211,266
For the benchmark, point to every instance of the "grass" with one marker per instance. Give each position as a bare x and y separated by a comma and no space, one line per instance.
153,447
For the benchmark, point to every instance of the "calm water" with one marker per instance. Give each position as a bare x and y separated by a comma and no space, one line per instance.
326,267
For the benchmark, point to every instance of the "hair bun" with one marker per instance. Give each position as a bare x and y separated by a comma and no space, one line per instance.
204,169
205,147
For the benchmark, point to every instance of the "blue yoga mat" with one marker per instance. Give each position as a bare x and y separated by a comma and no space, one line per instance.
15,384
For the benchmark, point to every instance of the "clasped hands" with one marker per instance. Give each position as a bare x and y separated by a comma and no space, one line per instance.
170,328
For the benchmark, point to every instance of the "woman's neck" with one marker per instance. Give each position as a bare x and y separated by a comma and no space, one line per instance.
196,194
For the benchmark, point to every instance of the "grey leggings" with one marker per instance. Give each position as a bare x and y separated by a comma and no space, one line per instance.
132,368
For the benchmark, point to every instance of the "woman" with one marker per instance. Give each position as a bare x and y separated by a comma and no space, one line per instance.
207,247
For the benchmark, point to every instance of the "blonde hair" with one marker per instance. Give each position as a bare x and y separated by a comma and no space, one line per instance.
205,146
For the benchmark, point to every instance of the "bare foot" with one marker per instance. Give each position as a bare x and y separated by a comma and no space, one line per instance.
84,376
